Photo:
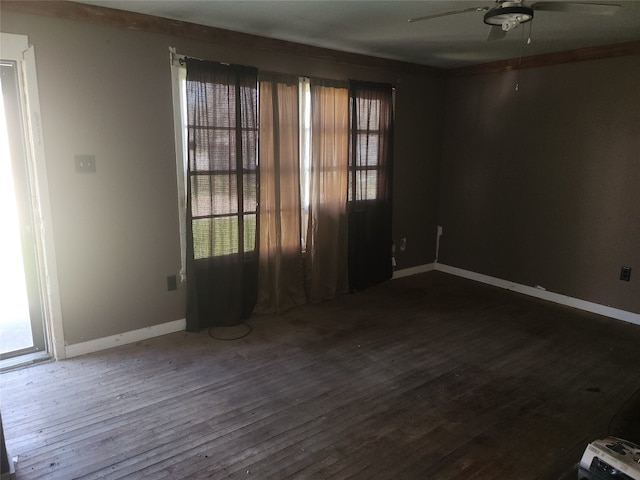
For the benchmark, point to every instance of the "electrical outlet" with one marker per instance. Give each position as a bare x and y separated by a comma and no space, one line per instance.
625,274
85,163
403,244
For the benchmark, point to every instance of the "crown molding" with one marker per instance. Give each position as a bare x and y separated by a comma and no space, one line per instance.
192,31
548,59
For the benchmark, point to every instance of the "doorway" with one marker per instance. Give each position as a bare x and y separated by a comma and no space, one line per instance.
22,329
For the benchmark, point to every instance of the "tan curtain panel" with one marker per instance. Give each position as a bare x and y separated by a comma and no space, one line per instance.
281,277
326,255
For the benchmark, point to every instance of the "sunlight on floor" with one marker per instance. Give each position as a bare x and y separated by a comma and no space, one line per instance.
15,327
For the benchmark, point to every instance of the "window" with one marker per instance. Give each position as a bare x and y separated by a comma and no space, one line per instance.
369,143
363,165
368,132
179,82
370,171
324,220
223,155
222,152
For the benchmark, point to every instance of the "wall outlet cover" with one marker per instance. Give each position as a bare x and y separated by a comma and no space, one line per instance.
625,274
85,163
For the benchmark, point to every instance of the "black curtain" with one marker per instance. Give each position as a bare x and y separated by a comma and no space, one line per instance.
222,193
369,210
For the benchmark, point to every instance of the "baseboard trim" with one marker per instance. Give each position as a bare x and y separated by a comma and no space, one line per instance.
406,272
104,343
98,344
596,308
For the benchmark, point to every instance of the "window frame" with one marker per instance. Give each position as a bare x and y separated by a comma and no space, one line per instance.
181,127
179,96
354,188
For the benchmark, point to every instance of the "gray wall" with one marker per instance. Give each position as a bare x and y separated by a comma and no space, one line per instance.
107,91
542,186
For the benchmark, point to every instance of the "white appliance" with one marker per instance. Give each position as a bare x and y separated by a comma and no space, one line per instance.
610,458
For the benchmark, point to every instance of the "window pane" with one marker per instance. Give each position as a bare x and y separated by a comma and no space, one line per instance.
214,150
223,97
366,186
213,195
249,232
224,232
367,181
248,93
249,149
367,150
215,236
249,192
222,145
201,95
368,114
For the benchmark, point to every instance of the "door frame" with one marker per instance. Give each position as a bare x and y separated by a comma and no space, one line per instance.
22,196
16,47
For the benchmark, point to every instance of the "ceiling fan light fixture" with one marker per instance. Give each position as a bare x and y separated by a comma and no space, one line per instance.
508,17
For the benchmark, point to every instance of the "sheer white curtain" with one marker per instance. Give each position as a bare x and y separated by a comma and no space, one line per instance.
326,252
281,278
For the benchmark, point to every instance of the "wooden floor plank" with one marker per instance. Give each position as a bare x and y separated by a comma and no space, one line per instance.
429,376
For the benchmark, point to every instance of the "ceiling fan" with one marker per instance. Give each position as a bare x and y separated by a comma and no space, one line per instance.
507,15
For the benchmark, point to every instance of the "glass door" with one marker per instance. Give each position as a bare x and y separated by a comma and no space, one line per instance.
21,314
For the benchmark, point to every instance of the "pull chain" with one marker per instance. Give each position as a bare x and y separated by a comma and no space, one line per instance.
520,57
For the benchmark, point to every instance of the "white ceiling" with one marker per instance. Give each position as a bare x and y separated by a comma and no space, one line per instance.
380,27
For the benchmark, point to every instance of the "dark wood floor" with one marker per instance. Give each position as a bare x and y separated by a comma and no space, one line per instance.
426,377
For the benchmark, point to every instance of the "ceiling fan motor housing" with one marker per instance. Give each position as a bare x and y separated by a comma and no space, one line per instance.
509,15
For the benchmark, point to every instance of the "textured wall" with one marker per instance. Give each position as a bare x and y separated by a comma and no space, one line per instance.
541,186
107,91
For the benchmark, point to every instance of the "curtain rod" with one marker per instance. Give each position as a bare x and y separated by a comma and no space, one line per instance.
182,59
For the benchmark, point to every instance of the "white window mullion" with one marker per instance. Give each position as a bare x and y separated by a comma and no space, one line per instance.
179,91
305,156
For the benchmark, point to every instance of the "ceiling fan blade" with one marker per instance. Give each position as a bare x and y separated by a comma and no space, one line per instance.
496,33
578,7
446,14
